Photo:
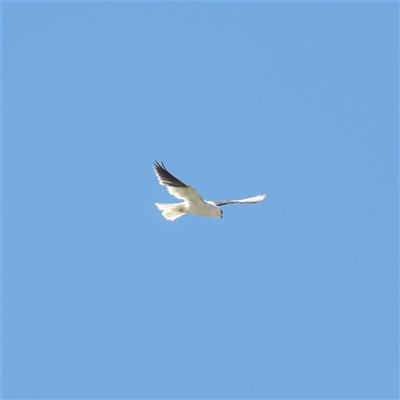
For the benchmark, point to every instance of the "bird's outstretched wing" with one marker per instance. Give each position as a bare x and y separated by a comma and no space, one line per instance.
249,200
175,186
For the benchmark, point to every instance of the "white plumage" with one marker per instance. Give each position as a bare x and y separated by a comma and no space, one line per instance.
193,203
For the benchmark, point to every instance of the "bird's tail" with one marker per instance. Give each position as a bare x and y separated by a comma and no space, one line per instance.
171,211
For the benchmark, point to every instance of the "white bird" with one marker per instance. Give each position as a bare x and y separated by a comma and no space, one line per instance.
193,203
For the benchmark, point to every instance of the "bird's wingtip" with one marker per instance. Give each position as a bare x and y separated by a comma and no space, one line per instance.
157,164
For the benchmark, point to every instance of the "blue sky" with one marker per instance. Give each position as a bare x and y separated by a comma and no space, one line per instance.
295,297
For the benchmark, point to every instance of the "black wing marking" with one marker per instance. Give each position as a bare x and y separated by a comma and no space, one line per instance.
166,178
175,186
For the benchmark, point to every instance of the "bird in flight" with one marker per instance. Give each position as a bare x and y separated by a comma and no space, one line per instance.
193,203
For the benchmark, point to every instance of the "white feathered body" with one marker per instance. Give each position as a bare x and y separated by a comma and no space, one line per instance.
193,203
176,210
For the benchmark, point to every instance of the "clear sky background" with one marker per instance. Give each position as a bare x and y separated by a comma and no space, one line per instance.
295,297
